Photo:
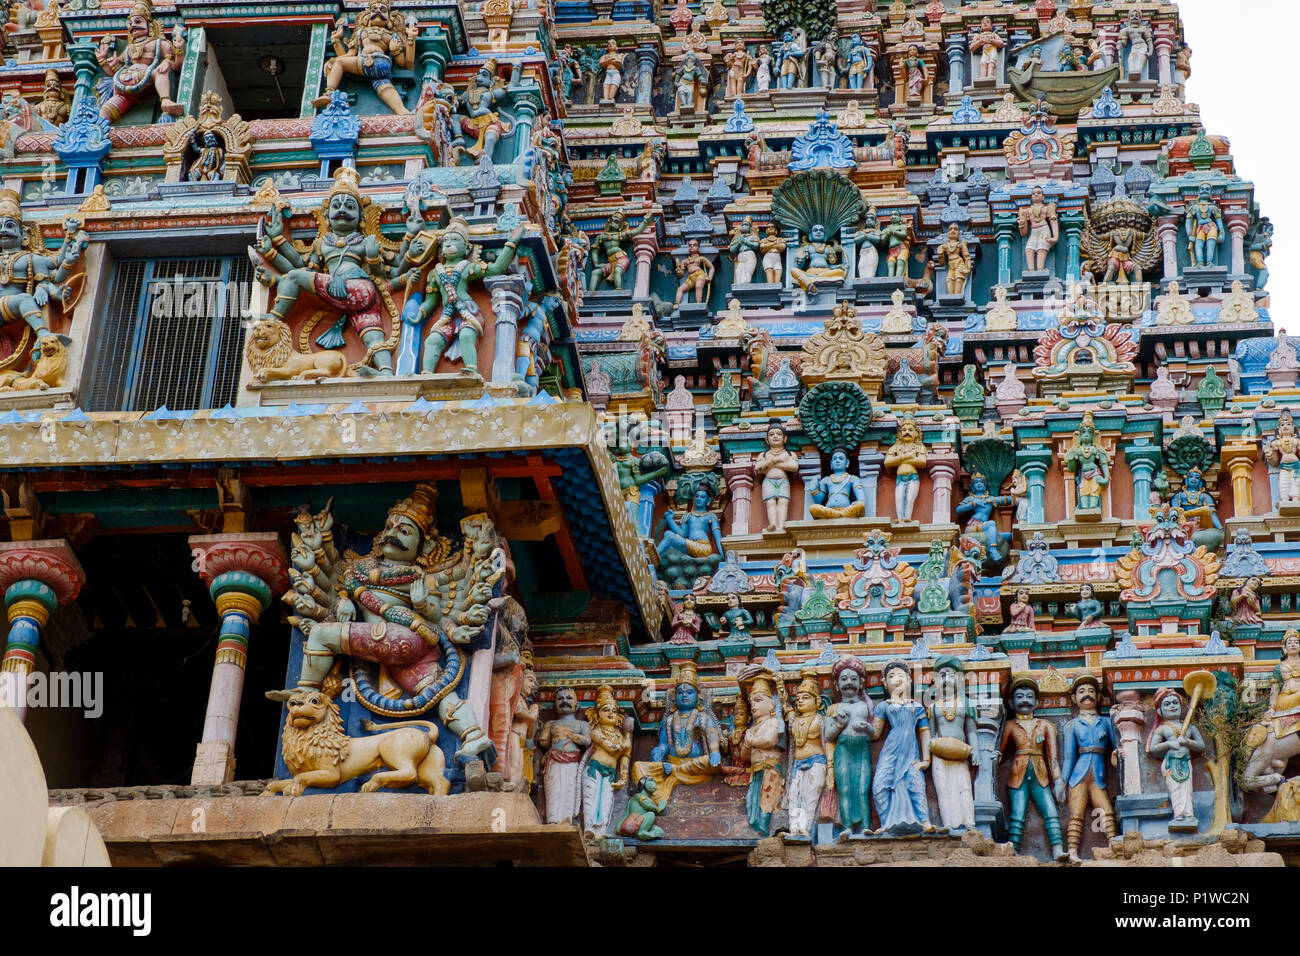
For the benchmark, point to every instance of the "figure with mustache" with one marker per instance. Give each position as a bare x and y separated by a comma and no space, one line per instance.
1089,739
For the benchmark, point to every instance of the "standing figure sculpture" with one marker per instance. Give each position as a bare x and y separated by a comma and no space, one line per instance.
612,63
763,69
908,456
869,239
608,257
375,47
1021,614
953,744
696,272
692,84
1175,748
690,738
1137,34
899,783
564,740
759,742
918,74
773,249
775,467
1089,741
1203,224
606,761
898,237
1034,766
1087,464
954,253
988,43
740,64
744,247
839,494
849,731
148,63
343,270
1039,224
861,63
483,125
827,54
790,53
812,752
1283,451
735,621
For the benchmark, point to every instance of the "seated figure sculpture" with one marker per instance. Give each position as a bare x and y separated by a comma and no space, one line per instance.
1198,505
982,508
31,279
691,546
818,261
149,62
690,738
839,494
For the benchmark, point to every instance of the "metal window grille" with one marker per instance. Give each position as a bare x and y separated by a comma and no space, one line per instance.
171,335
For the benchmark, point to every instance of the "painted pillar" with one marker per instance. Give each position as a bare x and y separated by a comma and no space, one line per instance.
647,58
644,248
1237,225
1110,43
36,577
810,472
507,293
315,75
942,467
1072,230
526,107
870,461
1004,228
1168,230
740,484
189,87
1164,47
955,46
1143,458
1033,463
1238,457
244,573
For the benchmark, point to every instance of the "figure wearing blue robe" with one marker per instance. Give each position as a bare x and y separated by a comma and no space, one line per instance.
899,786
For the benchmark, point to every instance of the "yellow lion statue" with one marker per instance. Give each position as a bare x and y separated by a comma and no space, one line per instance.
319,754
271,356
49,371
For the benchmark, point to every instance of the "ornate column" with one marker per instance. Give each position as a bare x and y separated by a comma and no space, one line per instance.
1143,458
942,467
188,88
1004,228
507,293
315,75
740,484
644,248
527,104
647,59
1033,464
955,46
870,461
1237,458
810,471
1237,224
244,573
1071,231
1167,227
36,576
1164,47
1110,43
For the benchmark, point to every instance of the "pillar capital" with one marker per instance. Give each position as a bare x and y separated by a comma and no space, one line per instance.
50,562
219,558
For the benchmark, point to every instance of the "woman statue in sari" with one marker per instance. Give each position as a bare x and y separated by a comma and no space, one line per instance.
899,784
849,732
1245,603
811,753
918,74
1286,676
607,761
759,740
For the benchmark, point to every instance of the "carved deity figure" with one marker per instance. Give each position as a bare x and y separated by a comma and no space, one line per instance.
759,742
790,54
811,756
1021,613
982,508
609,259
869,239
736,621
1039,225
953,743
566,71
696,273
483,125
763,69
1198,505
564,740
897,237
690,738
774,468
773,249
1137,34
1246,604
147,63
1203,224
375,47
1175,747
1284,452
343,269
31,279
849,731
818,260
1088,465
917,72
861,63
210,162
898,786
612,63
518,768
826,55
606,761
988,43
908,456
691,81
1088,609
744,246
1089,739
685,620
1285,693
839,494
692,540
411,606
54,105
955,254
1034,766
642,811
740,66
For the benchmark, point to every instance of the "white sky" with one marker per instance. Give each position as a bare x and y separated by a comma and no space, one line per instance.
1242,57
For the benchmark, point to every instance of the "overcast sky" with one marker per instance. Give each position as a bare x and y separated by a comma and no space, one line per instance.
1241,53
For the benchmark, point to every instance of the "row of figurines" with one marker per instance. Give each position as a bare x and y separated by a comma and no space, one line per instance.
817,763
